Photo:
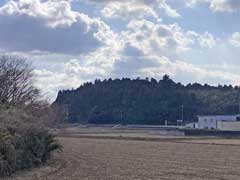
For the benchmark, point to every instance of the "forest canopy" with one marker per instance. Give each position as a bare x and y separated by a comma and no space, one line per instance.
145,101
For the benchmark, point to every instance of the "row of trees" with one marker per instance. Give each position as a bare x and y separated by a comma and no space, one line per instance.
145,101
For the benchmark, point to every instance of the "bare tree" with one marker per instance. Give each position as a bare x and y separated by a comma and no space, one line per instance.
16,81
17,90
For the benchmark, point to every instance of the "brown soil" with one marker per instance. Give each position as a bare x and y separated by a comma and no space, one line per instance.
114,159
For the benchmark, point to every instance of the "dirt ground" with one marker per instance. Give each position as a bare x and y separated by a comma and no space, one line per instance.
112,159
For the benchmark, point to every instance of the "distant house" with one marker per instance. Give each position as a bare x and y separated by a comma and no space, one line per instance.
217,122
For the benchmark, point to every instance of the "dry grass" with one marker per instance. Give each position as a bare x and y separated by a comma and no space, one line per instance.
106,159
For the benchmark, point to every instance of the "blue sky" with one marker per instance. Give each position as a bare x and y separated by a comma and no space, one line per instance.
73,41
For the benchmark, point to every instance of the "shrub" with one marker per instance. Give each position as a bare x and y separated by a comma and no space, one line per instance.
25,151
35,147
24,143
7,155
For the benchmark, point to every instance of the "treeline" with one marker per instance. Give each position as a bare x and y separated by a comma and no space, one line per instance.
145,101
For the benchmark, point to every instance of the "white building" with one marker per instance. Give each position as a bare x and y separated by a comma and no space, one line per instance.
228,125
216,122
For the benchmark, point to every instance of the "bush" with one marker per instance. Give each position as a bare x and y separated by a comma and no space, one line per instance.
24,143
35,147
7,155
25,151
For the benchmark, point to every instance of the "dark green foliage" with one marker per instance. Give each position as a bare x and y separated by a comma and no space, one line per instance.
25,151
146,101
24,143
7,154
34,148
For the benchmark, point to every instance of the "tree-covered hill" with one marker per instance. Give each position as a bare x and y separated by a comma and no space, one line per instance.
145,101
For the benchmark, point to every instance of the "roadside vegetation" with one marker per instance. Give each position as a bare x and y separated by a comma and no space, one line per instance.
25,141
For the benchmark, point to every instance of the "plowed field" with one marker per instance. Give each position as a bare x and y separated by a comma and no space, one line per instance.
112,159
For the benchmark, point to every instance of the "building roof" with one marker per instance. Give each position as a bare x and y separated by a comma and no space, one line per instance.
236,115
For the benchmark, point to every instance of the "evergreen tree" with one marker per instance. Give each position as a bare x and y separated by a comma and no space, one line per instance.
146,101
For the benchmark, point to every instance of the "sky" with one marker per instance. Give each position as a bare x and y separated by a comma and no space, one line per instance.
69,42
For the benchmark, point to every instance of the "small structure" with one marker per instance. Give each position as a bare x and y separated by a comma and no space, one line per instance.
179,122
217,122
193,125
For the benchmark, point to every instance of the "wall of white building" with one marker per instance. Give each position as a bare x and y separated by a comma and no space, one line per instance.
228,126
211,122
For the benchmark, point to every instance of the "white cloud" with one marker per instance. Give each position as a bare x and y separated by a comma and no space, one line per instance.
58,72
50,26
151,38
168,9
225,5
218,5
182,69
235,39
193,3
207,40
51,13
126,9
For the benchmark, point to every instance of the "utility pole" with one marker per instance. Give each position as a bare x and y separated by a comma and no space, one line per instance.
239,107
238,102
66,118
121,111
182,114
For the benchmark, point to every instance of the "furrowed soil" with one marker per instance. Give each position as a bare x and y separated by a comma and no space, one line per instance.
166,159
